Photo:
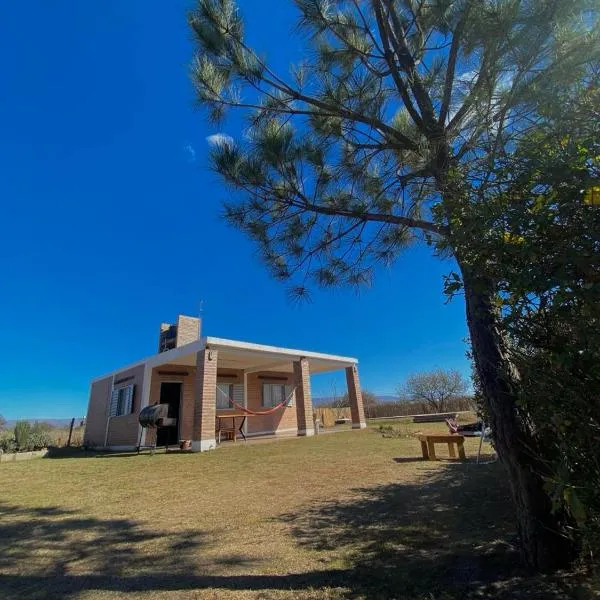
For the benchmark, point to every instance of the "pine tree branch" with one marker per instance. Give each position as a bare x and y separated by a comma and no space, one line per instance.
452,58
390,59
376,217
275,81
482,78
398,39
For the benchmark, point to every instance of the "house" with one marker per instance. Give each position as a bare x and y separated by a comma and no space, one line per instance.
200,378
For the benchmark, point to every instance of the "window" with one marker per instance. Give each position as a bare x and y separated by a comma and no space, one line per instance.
275,393
121,401
224,392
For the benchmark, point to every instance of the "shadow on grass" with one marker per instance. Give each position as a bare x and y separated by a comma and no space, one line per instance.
70,452
77,452
449,538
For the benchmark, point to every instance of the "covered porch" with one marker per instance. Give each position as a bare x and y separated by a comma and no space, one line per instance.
266,387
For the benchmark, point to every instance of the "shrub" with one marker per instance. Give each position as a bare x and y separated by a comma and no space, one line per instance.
40,436
7,443
401,430
22,435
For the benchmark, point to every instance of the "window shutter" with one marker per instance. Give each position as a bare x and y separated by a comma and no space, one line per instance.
278,393
238,393
129,400
266,395
114,401
121,401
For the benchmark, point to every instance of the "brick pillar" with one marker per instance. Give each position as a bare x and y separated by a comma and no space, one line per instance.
354,394
304,409
205,401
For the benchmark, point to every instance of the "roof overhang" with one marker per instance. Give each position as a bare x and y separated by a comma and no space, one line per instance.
233,354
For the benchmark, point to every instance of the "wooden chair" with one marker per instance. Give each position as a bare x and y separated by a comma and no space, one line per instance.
229,431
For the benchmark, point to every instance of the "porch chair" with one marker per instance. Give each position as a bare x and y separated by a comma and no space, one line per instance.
230,433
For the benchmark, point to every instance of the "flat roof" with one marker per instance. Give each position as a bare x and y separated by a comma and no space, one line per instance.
241,355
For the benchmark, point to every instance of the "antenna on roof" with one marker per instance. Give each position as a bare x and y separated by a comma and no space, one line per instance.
200,316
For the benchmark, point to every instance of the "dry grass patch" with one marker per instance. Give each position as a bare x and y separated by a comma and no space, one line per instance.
349,515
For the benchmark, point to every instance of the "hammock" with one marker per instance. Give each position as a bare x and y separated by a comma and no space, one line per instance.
257,413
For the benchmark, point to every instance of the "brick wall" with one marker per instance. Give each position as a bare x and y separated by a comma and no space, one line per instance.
97,413
355,396
280,420
304,408
188,330
205,396
125,430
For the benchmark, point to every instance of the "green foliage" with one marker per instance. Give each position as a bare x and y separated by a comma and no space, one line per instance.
543,251
40,436
2,422
344,159
428,120
29,437
22,433
7,443
396,431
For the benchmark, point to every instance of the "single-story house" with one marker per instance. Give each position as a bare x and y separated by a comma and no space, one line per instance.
201,378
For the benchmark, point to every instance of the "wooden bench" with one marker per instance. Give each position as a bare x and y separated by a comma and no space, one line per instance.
429,440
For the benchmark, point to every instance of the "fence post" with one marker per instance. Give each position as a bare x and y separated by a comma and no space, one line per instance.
70,432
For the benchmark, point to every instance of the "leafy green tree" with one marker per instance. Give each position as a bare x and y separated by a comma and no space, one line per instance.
391,129
545,258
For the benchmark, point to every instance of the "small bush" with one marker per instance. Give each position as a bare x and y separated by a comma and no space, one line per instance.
40,436
29,437
7,444
39,440
397,431
22,435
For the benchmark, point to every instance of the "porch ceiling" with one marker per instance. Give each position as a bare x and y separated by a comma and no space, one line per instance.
256,357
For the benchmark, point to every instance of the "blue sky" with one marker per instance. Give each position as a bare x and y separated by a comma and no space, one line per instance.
109,213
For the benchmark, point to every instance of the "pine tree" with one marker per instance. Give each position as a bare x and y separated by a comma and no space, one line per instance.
391,130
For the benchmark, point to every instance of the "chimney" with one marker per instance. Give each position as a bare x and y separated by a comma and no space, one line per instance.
188,330
185,331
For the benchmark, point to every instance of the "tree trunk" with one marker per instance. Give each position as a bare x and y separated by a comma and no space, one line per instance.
542,546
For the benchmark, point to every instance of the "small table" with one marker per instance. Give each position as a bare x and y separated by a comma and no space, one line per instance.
428,441
232,429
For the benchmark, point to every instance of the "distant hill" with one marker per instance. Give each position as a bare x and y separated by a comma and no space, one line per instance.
54,422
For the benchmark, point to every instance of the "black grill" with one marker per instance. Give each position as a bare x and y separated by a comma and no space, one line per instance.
156,416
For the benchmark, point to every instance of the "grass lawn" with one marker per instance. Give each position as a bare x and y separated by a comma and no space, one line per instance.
348,515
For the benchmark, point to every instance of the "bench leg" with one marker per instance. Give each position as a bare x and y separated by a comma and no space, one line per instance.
424,450
451,450
461,450
431,450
